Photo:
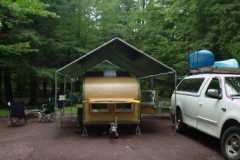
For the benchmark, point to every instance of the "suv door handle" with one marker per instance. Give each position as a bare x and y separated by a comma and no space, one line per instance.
223,109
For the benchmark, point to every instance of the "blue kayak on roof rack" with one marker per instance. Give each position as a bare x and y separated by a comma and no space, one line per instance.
206,58
230,63
201,58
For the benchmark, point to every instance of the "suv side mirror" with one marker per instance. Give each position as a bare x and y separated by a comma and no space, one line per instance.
214,93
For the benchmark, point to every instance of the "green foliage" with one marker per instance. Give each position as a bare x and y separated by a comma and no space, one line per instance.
22,8
3,112
166,29
18,38
38,36
45,73
16,49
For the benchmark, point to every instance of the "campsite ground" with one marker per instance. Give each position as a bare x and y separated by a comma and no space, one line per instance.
158,142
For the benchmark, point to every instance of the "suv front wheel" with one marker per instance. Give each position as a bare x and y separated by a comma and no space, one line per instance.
230,143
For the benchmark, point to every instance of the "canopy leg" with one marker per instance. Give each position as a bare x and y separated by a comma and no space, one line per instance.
138,130
61,117
84,131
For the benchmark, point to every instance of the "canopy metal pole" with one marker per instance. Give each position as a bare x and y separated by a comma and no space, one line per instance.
151,83
160,74
175,99
56,90
71,93
71,90
64,93
64,87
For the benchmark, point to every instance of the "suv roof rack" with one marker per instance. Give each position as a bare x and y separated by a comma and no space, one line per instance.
215,70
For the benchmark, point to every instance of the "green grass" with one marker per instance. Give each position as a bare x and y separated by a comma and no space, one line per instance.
70,109
3,112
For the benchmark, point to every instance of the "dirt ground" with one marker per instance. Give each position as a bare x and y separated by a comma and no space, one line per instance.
47,141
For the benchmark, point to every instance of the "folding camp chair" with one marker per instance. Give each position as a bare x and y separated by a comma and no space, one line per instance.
47,113
17,114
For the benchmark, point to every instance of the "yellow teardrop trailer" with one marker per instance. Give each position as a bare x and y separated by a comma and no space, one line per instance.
109,99
112,99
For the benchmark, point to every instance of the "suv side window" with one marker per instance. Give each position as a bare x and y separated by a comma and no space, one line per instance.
190,85
214,84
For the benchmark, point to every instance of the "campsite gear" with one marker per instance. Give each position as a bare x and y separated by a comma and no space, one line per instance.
72,99
201,58
230,63
17,114
47,114
149,102
61,101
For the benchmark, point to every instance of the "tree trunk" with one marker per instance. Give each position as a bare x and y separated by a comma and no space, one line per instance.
45,93
20,84
7,86
1,98
33,89
52,89
78,86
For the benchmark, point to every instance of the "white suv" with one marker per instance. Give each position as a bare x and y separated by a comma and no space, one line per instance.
211,104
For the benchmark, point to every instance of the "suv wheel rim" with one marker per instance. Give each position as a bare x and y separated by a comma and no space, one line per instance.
232,146
178,120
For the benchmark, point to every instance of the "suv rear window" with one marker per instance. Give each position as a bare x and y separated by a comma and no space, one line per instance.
190,85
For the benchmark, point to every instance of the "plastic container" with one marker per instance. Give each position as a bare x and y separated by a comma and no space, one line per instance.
201,58
230,63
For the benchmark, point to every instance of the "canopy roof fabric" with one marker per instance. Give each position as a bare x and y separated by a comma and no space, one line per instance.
121,54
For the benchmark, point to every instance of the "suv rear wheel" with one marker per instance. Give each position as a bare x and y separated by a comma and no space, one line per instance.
230,143
179,124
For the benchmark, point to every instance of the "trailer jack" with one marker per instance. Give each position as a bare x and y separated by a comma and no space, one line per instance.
113,130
